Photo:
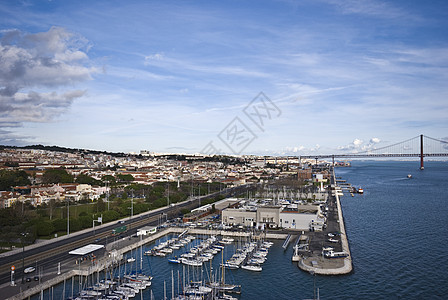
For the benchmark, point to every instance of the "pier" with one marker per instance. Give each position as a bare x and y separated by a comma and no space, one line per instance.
286,243
316,263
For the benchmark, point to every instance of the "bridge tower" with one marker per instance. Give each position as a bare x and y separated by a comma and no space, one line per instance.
421,152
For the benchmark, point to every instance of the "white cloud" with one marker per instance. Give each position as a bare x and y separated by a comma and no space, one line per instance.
375,140
35,72
359,145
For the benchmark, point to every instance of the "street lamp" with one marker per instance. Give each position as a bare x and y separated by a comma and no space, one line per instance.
68,216
24,235
131,208
107,194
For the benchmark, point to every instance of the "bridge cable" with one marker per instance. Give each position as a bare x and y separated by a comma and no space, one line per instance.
389,146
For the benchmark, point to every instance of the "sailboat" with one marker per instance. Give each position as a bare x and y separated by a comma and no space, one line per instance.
221,285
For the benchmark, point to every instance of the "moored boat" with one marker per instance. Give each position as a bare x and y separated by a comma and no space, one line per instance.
254,268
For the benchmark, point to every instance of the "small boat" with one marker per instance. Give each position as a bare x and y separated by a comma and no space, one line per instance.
352,194
132,259
333,240
252,268
231,266
191,262
360,191
227,241
409,176
174,260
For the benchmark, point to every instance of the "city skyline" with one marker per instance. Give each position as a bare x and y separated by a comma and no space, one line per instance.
177,76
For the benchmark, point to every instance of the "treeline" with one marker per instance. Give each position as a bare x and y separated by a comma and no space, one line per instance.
65,150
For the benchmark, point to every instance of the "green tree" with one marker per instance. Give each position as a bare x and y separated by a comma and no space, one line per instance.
100,205
86,221
75,225
57,176
9,179
125,178
110,215
44,228
86,179
111,179
60,224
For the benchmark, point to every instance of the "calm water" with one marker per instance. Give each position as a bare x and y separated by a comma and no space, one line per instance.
398,235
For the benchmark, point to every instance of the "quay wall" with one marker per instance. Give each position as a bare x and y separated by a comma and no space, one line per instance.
347,265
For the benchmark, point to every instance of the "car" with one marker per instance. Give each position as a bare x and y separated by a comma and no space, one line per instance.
29,270
28,279
36,278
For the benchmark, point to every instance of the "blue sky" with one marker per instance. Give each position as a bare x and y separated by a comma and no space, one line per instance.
175,76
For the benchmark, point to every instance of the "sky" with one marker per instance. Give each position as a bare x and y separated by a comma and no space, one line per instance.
235,77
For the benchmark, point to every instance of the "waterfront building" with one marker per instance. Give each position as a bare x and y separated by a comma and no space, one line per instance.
299,218
236,216
268,216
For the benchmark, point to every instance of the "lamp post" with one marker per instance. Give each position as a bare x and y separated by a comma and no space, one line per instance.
107,194
24,235
68,217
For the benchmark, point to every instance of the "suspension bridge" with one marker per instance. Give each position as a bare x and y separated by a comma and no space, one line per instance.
420,146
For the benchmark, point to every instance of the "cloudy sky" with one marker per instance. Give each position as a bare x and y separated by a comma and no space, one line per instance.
253,77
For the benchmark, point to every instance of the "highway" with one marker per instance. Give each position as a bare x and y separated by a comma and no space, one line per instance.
47,256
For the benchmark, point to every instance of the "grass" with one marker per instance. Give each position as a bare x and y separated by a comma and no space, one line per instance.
75,210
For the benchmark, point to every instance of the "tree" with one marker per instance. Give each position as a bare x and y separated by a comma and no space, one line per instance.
60,224
86,221
57,176
44,228
9,179
86,179
125,178
109,178
110,215
100,205
75,225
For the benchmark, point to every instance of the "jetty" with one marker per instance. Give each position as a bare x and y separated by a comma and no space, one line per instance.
316,263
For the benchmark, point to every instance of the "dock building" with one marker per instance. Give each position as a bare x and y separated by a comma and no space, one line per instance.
293,216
